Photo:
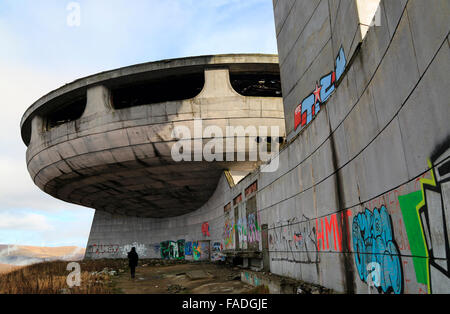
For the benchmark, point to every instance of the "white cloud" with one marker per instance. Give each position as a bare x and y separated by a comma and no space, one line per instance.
20,87
17,190
19,221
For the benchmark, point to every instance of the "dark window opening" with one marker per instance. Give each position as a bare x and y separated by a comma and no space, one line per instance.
157,91
260,85
238,261
280,140
66,113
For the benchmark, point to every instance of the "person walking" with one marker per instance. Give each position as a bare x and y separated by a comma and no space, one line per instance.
133,258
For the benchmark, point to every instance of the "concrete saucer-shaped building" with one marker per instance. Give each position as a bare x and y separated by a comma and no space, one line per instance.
105,141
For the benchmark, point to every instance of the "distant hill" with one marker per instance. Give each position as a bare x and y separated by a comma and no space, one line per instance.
5,268
22,255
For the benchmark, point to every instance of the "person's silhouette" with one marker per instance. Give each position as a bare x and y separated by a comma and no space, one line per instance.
133,261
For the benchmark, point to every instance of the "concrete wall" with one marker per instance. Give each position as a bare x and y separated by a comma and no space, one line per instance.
363,183
204,234
357,174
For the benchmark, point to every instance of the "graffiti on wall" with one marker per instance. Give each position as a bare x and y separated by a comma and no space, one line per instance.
251,279
425,213
181,249
196,250
188,248
173,249
242,230
116,249
254,231
216,254
200,250
330,232
99,249
140,249
169,249
253,188
228,230
253,219
405,234
373,244
205,229
296,238
310,106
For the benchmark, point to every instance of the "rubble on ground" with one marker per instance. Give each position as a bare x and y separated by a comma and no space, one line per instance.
105,271
175,288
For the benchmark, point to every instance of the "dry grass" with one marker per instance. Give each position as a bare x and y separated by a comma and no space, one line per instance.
50,278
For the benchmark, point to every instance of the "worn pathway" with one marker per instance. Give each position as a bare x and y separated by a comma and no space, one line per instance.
182,278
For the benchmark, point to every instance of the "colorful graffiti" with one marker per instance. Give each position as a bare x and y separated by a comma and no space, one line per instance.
425,214
373,244
202,252
205,229
252,279
196,250
169,250
228,231
246,228
181,249
254,231
242,231
188,248
310,106
173,249
331,228
415,260
217,254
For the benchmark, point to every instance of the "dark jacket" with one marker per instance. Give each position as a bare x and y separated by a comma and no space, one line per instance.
133,258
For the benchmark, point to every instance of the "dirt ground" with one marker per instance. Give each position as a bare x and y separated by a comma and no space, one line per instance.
198,278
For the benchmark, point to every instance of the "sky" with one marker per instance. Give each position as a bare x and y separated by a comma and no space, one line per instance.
44,46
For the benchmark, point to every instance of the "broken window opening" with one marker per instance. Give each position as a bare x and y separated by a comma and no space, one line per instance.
157,91
66,113
259,85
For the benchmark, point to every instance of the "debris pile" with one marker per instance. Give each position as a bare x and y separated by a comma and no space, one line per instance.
175,288
106,271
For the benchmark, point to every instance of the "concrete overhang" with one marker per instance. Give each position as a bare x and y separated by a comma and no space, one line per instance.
119,160
140,72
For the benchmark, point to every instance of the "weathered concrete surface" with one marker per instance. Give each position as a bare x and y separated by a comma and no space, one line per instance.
281,285
363,161
120,161
235,62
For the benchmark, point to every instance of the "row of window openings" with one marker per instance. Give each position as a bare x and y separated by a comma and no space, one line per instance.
158,92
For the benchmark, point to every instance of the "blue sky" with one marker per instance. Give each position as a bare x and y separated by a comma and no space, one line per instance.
41,52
